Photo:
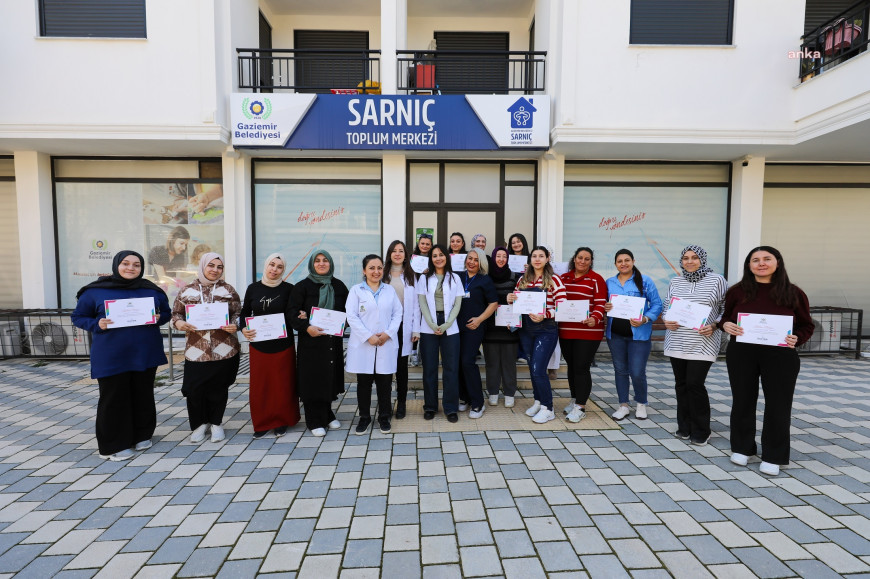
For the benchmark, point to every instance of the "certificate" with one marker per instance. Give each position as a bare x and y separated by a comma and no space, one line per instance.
559,267
505,316
517,263
764,329
330,321
530,303
268,327
208,316
419,263
572,311
457,261
130,312
626,307
687,313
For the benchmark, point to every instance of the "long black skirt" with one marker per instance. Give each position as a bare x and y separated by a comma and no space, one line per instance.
206,386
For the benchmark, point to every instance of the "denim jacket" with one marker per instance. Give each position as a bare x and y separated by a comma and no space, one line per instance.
653,303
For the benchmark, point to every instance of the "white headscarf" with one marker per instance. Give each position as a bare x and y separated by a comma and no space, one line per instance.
203,261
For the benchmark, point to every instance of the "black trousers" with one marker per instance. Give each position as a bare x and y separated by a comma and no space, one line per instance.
470,384
777,368
401,371
318,414
126,413
579,355
693,403
383,383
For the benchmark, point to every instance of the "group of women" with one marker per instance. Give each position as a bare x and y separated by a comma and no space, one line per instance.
447,315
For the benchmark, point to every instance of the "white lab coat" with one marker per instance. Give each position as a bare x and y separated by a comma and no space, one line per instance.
367,317
410,316
426,286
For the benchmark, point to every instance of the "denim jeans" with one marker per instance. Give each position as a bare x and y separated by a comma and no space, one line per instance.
430,344
629,359
539,341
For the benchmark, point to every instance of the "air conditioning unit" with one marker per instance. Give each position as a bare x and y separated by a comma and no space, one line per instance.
826,336
55,337
10,339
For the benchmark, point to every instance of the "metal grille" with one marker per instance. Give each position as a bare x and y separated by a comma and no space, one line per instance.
41,334
838,330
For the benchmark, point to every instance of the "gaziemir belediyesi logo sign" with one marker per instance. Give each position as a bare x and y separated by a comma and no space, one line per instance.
391,122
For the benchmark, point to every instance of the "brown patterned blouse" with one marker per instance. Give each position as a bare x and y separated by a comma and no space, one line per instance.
208,345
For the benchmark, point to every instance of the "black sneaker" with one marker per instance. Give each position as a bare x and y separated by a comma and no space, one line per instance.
280,431
260,433
681,435
696,441
452,417
429,415
400,409
384,424
363,424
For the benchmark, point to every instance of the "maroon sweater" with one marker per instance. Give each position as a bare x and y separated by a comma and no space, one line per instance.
763,304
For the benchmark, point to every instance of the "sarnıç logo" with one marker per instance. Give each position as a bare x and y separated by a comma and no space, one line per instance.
522,114
259,109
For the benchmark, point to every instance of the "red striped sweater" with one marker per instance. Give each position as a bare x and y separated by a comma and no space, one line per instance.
592,287
555,294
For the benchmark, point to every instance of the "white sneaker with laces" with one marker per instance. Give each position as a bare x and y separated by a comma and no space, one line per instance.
769,469
621,412
534,409
476,413
493,399
463,406
334,424
198,435
142,445
217,433
570,408
739,459
640,412
125,454
576,415
544,415
319,432
508,401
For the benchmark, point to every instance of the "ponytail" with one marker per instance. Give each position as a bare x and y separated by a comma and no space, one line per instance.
638,277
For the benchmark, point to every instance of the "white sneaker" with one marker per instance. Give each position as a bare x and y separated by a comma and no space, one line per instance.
493,399
463,406
544,415
142,445
576,415
198,435
534,409
570,408
334,425
508,401
319,432
769,469
217,433
640,412
476,413
739,459
621,412
125,454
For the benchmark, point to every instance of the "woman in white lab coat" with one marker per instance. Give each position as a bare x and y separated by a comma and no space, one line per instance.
374,314
402,278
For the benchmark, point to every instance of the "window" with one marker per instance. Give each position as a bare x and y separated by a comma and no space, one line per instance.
681,21
92,18
332,68
470,73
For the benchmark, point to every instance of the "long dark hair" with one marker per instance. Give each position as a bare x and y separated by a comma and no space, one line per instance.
462,237
638,277
782,291
522,238
448,268
573,257
407,272
417,246
546,276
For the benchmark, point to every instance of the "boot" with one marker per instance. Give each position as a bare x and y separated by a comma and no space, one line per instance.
400,408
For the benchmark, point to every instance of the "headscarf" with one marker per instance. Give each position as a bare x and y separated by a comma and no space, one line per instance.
695,276
266,281
327,294
481,259
203,261
476,237
500,274
115,281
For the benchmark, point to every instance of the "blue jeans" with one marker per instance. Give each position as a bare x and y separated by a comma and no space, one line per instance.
629,359
539,341
449,346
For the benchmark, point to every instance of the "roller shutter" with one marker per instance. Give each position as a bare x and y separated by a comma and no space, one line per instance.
468,75
92,18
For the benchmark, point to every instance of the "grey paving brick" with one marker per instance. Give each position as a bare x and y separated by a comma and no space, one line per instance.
371,506
702,511
48,566
761,562
124,528
604,566
614,526
473,533
174,550
204,562
327,541
748,521
363,553
798,531
212,504
480,561
19,557
403,514
437,524
464,491
314,490
402,564
533,507
814,569
238,512
558,556
148,539
659,538
341,498
708,550
270,520
442,572
514,544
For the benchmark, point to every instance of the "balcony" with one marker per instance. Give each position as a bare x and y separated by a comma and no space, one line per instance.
471,72
308,71
842,37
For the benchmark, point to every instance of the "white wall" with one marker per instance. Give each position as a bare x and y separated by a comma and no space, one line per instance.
283,27
422,30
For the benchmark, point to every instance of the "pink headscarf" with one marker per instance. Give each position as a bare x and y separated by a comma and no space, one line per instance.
203,261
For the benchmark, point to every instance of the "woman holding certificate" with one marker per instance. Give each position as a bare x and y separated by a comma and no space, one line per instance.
403,279
208,309
580,338
692,341
440,293
266,318
126,349
633,306
538,293
499,343
767,317
319,358
374,314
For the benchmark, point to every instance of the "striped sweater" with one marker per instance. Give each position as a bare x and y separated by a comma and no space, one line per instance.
592,287
687,343
555,294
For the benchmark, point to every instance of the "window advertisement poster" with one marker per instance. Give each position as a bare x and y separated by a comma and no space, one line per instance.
170,224
297,220
654,223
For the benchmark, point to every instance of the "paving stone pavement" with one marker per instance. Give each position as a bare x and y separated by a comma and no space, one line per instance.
631,502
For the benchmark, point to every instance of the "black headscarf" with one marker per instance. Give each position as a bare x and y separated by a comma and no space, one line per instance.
499,274
115,281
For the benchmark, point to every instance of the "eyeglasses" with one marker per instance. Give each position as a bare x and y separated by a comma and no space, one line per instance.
425,236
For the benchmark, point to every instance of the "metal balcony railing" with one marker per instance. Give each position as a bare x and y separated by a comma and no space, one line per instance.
836,41
471,71
308,70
